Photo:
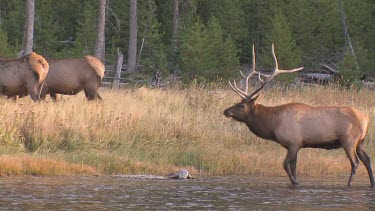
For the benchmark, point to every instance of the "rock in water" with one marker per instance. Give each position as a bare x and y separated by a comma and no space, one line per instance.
182,174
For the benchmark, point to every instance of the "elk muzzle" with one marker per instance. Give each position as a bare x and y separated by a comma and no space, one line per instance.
228,113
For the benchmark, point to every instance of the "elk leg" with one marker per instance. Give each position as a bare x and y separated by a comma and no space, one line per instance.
366,161
291,158
53,96
293,167
353,158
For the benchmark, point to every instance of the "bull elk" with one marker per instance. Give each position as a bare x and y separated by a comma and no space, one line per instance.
296,125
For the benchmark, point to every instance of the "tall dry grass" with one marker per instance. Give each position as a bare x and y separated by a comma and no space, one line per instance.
157,131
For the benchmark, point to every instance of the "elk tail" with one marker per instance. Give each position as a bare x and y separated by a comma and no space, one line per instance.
39,65
97,65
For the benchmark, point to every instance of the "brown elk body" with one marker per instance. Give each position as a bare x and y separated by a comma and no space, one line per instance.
70,76
296,125
23,76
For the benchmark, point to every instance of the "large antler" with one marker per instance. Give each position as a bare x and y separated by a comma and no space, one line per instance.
246,78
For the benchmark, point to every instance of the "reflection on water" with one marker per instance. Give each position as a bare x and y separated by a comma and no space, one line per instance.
213,193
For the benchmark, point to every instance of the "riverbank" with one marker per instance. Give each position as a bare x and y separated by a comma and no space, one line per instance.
157,131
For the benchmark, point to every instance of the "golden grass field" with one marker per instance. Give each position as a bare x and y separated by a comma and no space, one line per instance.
157,131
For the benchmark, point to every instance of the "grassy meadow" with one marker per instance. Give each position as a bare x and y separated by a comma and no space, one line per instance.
157,131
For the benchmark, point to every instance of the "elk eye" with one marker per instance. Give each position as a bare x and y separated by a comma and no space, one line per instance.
242,106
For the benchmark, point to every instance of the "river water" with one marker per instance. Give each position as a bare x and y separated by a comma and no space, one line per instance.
211,193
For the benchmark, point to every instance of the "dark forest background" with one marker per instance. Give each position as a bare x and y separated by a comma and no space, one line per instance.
214,37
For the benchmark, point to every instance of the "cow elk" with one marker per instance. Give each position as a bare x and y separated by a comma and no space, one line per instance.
296,125
24,76
70,76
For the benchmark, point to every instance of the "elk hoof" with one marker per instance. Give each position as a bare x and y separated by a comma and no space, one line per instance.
294,182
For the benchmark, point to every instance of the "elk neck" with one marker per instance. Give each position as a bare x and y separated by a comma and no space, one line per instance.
262,120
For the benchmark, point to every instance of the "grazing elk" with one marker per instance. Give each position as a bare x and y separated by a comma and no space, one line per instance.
24,76
296,125
70,76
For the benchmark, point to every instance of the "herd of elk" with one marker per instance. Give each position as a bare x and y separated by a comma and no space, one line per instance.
296,125
33,75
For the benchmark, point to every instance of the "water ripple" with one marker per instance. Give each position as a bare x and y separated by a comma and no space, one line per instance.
213,193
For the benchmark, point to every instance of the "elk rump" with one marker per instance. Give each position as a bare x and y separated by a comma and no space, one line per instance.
23,76
70,76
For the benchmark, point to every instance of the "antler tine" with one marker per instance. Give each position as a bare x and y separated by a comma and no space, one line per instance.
237,90
246,79
244,93
275,72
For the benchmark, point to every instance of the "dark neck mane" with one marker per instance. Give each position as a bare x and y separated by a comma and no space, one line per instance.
261,121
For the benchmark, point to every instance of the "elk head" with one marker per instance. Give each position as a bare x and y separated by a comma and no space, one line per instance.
242,111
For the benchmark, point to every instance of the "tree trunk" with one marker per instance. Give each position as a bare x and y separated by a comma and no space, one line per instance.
28,31
176,14
132,51
116,80
99,51
346,33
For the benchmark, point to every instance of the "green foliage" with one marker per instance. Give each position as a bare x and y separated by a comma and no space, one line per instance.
46,29
348,69
13,22
229,15
362,31
5,49
206,54
222,52
303,27
287,52
153,56
305,32
193,57
364,57
118,27
86,32
164,11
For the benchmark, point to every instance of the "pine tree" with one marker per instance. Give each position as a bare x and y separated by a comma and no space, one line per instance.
13,21
6,51
286,50
257,15
362,32
231,18
193,57
152,53
221,52
206,54
66,15
348,70
164,11
85,40
303,24
118,25
46,29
